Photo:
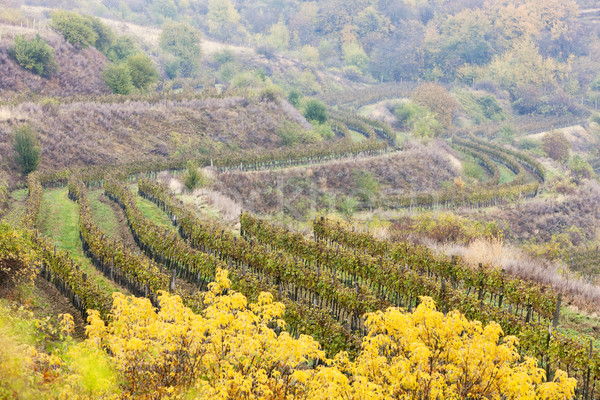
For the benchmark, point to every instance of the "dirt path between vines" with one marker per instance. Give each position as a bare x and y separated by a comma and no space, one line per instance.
56,304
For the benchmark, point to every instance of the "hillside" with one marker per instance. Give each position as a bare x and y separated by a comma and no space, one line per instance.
88,133
232,199
73,64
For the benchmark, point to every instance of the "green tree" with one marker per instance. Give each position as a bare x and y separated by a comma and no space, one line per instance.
104,35
194,178
26,144
76,29
142,70
122,48
118,78
279,36
366,185
35,55
355,55
183,42
314,110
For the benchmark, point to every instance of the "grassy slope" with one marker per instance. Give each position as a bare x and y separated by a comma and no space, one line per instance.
151,211
103,214
59,219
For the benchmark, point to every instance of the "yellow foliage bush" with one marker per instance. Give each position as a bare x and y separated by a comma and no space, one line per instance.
236,350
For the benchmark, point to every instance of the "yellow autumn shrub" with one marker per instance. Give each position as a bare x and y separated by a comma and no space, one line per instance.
236,350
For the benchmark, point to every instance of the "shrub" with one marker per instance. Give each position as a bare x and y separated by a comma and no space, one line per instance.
25,143
324,131
183,42
366,185
528,144
314,110
122,48
76,29
270,93
266,50
352,72
292,134
419,119
223,57
580,168
556,145
104,35
118,79
348,206
294,97
142,70
35,55
194,178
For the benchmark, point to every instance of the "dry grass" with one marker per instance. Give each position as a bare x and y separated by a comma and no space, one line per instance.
229,211
578,291
91,132
295,190
79,70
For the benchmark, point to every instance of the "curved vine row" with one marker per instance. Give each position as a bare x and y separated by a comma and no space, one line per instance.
498,155
251,268
530,163
555,349
132,270
56,265
375,268
490,166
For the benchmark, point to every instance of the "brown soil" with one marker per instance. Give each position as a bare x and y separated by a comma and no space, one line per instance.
57,304
124,233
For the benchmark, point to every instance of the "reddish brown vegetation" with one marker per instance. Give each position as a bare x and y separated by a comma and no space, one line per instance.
86,133
417,168
79,71
540,219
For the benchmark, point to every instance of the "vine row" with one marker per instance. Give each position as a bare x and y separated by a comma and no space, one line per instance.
555,349
251,268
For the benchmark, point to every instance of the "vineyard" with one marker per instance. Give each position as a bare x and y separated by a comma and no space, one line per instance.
300,200
328,285
334,282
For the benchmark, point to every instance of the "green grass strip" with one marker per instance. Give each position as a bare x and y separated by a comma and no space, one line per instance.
59,219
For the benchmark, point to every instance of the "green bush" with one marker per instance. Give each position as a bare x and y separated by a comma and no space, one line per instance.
270,93
193,177
419,119
528,144
324,131
223,57
294,97
122,48
25,143
142,71
118,79
183,42
291,134
35,55
104,35
314,110
77,30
